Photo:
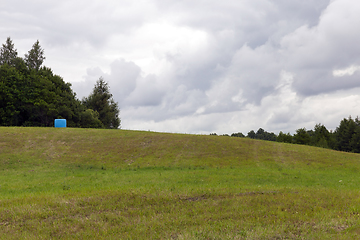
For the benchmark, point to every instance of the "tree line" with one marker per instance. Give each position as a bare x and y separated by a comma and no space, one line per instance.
32,95
346,136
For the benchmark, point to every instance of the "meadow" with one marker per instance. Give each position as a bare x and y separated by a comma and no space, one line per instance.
121,184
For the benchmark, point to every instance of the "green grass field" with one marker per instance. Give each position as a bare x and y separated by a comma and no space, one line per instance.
117,184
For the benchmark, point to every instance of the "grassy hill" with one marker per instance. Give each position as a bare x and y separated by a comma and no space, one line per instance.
117,184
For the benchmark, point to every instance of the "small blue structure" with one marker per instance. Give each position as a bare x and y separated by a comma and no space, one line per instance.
60,123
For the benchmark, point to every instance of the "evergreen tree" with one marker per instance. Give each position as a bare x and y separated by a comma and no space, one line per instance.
282,137
101,101
344,134
251,134
355,139
321,137
260,134
35,57
8,53
302,137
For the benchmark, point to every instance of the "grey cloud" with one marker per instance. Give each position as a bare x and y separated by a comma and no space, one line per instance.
237,71
313,53
307,10
127,85
254,71
60,23
184,101
147,93
121,79
314,82
84,88
253,21
197,78
175,104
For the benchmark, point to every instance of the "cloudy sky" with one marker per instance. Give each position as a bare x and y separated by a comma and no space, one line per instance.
202,66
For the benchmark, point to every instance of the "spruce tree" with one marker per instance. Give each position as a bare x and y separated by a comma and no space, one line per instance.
35,57
101,101
8,53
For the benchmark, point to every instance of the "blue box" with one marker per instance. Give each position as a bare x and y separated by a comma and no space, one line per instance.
60,123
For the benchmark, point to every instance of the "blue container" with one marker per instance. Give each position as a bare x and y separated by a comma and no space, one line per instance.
60,123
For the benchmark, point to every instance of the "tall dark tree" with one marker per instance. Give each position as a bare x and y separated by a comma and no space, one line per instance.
8,53
251,134
264,135
260,133
301,136
321,137
355,141
101,101
10,80
344,134
282,137
355,138
35,57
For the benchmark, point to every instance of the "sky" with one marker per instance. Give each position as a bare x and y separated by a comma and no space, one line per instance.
200,66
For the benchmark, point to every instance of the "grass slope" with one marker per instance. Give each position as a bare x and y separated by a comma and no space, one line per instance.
117,184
